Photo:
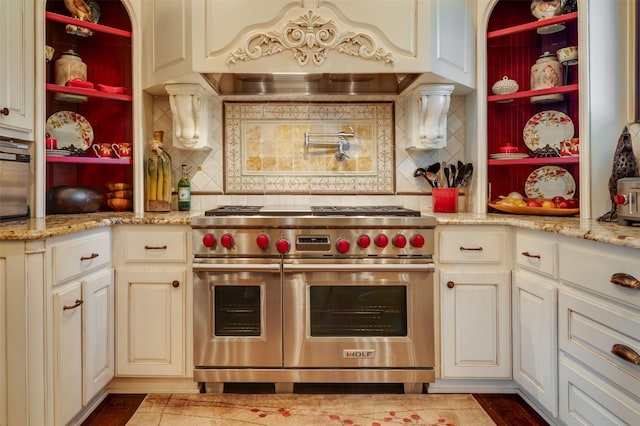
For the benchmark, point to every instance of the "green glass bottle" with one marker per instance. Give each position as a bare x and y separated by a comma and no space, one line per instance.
184,190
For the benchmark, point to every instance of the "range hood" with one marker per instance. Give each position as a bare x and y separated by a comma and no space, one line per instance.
229,84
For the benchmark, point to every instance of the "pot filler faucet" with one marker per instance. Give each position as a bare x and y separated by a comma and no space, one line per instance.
341,155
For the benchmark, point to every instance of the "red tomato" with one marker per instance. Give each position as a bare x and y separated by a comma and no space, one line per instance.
558,199
562,205
574,203
534,204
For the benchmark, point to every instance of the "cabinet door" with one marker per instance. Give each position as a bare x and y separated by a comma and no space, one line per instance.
67,342
150,322
534,338
17,75
98,321
476,324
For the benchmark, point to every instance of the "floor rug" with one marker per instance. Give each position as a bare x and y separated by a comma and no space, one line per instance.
307,410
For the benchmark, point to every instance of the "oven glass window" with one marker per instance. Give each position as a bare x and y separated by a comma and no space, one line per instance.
358,311
237,310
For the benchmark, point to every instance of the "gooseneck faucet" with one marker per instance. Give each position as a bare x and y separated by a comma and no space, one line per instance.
341,155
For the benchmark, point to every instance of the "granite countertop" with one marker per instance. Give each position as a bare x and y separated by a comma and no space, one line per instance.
56,225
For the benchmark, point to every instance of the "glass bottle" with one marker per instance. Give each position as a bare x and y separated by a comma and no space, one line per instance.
157,176
184,190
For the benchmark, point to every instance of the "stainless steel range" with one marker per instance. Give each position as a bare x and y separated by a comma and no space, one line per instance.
320,294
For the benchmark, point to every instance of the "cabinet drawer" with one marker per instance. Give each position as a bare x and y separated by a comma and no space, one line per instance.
588,330
592,265
75,255
537,253
155,246
472,246
586,399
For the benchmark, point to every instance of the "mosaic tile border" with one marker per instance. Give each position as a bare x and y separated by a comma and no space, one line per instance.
375,177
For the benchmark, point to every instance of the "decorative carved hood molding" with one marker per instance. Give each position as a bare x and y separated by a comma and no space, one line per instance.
315,47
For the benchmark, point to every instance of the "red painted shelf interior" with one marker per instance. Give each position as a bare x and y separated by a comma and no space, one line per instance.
573,16
89,160
529,93
88,92
108,57
54,17
556,161
513,45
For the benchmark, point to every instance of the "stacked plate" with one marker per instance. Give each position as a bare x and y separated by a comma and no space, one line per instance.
58,152
508,156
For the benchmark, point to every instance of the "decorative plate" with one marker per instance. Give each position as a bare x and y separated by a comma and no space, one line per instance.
70,129
547,127
540,211
550,181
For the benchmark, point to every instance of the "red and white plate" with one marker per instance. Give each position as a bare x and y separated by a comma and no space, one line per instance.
70,128
550,181
547,128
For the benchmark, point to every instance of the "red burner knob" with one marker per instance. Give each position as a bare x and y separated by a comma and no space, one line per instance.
620,199
283,245
209,240
417,241
262,241
381,240
400,241
226,241
364,241
342,245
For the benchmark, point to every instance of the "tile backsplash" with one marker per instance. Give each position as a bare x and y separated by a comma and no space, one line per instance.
310,176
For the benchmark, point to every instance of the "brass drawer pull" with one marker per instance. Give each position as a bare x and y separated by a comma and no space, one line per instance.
626,353
93,256
175,284
75,305
4,111
451,284
533,256
155,247
625,280
462,248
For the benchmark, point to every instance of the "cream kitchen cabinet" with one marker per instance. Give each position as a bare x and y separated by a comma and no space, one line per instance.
167,44
475,280
535,349
17,71
153,294
83,342
82,297
598,333
434,37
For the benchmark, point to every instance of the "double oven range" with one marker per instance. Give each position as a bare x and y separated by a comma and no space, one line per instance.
313,295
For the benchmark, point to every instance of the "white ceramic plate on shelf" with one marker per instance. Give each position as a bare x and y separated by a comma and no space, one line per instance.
547,128
70,128
508,156
58,152
550,181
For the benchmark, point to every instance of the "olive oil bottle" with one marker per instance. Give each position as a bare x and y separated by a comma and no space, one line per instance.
184,190
157,176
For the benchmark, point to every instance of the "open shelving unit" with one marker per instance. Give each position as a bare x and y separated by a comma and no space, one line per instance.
513,45
108,57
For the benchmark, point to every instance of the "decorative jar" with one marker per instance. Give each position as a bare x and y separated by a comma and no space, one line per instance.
505,86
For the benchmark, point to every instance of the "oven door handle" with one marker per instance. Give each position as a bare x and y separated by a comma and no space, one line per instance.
388,267
236,267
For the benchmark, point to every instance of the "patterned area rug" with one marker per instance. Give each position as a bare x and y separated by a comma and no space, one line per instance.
307,410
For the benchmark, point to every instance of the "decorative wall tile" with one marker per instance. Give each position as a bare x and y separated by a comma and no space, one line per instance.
265,149
207,168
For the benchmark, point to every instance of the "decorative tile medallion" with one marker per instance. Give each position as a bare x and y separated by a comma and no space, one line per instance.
265,149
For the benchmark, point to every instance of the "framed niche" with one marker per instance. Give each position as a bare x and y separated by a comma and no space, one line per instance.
266,150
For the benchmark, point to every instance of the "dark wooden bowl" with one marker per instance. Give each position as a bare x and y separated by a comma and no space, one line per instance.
73,199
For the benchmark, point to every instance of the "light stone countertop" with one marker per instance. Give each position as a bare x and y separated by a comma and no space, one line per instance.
56,225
